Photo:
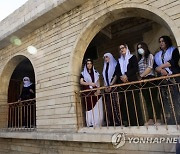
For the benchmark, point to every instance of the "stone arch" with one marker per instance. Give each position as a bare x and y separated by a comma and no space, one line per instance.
5,77
110,15
7,72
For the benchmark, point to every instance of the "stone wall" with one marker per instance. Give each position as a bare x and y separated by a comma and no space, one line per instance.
61,44
15,146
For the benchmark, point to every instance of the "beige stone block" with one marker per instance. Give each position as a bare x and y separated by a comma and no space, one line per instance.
177,21
171,4
173,10
65,110
30,149
45,122
176,16
130,146
156,152
45,103
45,112
137,152
157,147
65,121
144,147
169,147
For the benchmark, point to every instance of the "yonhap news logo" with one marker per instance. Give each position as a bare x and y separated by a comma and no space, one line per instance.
119,140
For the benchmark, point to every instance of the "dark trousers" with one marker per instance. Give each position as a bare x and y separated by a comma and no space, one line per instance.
112,115
171,101
152,101
131,106
150,94
29,114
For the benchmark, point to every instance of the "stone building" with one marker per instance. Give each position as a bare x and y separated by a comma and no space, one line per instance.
62,31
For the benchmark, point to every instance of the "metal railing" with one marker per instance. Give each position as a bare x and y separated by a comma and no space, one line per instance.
22,115
131,104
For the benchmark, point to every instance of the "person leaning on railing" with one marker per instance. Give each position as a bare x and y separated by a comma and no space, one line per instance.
28,110
166,63
126,71
111,102
146,61
89,79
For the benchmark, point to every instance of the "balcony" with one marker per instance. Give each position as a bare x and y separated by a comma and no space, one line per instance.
130,101
22,116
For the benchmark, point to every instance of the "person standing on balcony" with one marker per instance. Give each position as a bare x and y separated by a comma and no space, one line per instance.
146,61
111,102
28,91
126,71
89,79
167,63
28,107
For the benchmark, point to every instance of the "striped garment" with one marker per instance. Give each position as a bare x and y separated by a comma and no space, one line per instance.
143,64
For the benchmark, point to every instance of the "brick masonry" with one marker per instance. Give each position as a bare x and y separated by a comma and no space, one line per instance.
61,44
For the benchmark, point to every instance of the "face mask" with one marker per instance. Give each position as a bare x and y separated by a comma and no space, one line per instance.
141,51
25,82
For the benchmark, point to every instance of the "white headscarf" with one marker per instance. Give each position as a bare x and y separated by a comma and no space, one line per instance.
112,66
27,83
124,61
167,57
87,76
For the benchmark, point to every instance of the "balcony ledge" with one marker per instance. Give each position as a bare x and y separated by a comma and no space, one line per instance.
102,135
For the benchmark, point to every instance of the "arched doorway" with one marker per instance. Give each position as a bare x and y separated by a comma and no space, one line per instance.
114,14
11,86
123,24
23,69
129,30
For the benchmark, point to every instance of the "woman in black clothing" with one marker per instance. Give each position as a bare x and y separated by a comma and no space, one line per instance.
28,108
166,60
28,91
126,71
166,63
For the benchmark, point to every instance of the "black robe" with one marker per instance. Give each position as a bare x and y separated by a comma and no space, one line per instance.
132,70
26,94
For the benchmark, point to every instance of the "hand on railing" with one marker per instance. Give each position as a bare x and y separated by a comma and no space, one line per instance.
97,92
164,72
124,78
19,102
108,89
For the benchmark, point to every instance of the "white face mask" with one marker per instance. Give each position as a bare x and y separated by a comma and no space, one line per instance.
141,51
26,82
